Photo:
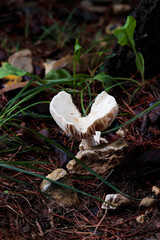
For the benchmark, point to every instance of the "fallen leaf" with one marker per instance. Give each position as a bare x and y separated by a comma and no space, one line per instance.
11,79
111,27
22,60
13,87
67,63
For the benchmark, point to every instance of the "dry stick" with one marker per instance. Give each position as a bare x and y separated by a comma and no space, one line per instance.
102,183
105,209
100,221
93,234
105,179
14,154
39,228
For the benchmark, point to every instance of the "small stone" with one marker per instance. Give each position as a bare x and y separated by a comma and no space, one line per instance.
156,190
120,133
100,158
140,219
22,60
147,202
63,196
115,199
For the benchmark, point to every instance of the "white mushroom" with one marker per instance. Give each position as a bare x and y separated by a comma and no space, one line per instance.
103,112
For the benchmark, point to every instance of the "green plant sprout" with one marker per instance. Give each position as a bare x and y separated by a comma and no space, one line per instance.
78,50
125,37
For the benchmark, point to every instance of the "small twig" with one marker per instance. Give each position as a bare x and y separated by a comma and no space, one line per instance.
100,221
39,228
13,209
93,234
105,179
14,154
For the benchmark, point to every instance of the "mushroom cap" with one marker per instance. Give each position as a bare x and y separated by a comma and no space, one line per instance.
103,112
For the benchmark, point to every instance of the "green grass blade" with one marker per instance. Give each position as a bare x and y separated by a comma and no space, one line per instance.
82,105
134,118
80,162
50,180
51,142
23,163
23,109
15,180
13,100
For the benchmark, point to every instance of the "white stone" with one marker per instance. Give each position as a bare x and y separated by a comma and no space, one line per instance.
116,200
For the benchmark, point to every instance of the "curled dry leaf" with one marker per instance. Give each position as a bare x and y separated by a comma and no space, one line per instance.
67,63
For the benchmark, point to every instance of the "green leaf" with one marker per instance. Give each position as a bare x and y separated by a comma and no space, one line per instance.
106,80
140,63
8,69
125,33
133,119
6,191
111,56
57,74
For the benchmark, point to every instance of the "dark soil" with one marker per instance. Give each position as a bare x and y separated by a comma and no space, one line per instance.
25,212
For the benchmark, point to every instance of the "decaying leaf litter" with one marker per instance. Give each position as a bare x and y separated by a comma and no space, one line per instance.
32,143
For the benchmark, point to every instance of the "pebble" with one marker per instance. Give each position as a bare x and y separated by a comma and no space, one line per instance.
147,202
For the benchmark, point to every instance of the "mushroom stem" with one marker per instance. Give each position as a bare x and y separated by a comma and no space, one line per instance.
89,142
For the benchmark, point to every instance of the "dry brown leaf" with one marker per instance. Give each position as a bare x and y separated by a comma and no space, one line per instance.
67,63
13,87
22,60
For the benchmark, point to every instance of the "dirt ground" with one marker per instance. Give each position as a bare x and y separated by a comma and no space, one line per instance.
27,213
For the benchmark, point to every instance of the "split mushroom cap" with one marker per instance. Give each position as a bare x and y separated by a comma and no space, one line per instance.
103,112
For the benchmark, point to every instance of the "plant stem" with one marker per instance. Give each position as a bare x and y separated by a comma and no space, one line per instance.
89,142
139,64
74,74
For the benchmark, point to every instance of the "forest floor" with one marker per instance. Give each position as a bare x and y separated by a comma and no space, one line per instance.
49,29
